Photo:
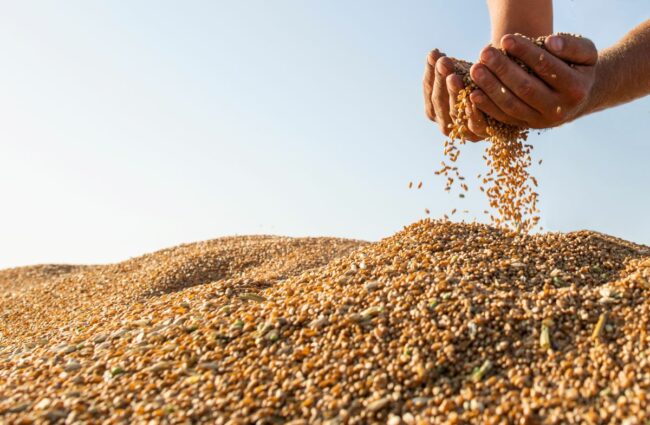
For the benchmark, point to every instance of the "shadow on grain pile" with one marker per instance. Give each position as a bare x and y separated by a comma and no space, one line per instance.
440,323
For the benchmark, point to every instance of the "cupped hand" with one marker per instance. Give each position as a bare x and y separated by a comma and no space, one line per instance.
441,86
557,91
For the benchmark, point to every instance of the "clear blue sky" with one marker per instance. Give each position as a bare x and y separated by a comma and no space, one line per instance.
126,127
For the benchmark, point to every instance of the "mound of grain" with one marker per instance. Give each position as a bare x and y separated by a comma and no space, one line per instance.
440,323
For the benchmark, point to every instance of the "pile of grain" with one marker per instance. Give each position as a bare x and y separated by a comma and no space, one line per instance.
440,323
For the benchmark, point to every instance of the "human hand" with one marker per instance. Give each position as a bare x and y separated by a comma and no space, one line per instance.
556,93
441,87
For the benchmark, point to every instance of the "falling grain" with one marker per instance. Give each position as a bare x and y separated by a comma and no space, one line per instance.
507,157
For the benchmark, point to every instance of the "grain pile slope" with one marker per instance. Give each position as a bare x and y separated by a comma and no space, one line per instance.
20,279
40,302
440,323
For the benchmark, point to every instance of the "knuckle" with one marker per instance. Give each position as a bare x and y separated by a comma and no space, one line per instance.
501,64
526,89
439,102
577,93
490,87
440,94
544,68
509,105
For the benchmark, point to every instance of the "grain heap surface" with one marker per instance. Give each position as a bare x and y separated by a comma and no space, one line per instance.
509,185
20,279
75,298
440,323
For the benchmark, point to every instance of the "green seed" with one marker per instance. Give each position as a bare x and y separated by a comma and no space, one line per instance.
273,335
116,370
252,297
480,372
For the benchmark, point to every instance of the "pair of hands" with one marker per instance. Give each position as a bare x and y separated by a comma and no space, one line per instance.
558,91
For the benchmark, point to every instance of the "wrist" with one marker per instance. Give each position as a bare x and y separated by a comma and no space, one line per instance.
595,98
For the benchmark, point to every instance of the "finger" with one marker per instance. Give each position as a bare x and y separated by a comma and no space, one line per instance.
471,137
444,67
476,122
552,70
465,130
527,87
485,105
501,95
573,49
454,86
427,82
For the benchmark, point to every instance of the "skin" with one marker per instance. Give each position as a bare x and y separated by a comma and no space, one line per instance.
556,93
533,18
441,86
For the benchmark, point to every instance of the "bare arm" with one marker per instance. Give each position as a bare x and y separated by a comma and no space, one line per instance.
532,18
623,71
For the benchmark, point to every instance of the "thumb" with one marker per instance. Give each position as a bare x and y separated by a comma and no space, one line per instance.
573,49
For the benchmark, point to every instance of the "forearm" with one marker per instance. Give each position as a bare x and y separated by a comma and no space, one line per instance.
623,71
532,18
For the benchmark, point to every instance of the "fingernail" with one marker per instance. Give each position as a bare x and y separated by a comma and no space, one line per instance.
555,43
432,56
480,73
442,67
487,55
508,43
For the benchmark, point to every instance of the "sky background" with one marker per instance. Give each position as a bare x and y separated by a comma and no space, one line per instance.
130,126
